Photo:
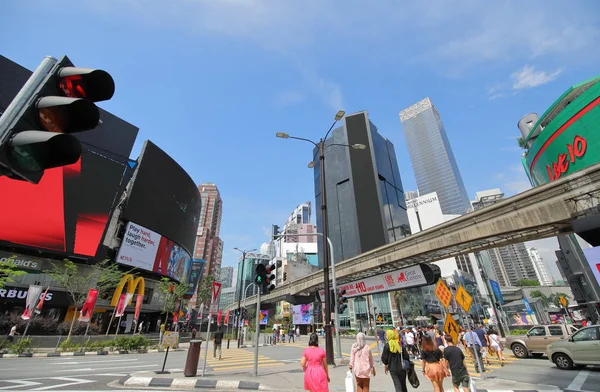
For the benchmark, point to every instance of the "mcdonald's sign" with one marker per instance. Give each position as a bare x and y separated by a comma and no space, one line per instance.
132,284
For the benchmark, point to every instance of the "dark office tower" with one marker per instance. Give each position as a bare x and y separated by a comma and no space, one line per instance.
365,199
432,158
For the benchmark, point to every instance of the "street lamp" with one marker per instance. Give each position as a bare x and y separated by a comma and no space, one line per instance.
321,146
242,282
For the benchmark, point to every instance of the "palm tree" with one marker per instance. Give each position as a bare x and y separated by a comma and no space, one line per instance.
544,299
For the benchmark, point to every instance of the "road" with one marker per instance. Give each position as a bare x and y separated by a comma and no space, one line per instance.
95,372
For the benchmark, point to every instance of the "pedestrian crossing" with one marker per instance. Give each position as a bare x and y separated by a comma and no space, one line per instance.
239,359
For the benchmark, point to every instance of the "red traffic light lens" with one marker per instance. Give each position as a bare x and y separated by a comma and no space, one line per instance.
72,86
53,119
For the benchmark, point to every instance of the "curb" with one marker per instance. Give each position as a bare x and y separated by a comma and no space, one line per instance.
191,383
251,345
82,354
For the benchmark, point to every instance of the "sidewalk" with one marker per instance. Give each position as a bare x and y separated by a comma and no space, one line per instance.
291,378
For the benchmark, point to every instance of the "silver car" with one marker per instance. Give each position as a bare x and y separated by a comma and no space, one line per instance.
581,349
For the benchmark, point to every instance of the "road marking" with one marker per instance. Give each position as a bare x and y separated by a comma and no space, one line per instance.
578,381
20,383
73,381
86,362
103,368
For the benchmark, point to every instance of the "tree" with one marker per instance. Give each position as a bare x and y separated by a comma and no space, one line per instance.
544,300
555,299
410,301
527,283
9,271
522,143
104,276
204,293
548,300
172,292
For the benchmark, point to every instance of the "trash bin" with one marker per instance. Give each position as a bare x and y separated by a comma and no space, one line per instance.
191,363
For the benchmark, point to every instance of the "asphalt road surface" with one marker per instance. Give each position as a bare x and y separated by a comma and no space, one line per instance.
95,372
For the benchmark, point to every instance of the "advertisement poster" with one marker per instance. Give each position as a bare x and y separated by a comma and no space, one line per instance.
301,314
264,317
395,280
195,275
120,310
593,258
138,247
88,306
497,291
138,306
33,294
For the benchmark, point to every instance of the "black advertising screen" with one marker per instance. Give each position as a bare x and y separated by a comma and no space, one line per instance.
163,198
67,211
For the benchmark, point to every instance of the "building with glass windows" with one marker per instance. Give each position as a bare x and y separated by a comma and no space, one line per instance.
432,158
365,204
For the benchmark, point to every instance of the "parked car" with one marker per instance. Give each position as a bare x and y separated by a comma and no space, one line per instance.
537,339
581,349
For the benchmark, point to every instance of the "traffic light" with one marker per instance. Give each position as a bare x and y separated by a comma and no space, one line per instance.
56,102
342,300
270,277
261,275
498,306
284,276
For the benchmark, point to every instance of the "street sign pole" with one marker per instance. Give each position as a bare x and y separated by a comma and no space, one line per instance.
207,339
257,334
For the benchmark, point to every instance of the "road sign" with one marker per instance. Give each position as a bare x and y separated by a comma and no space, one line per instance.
170,339
564,302
443,293
463,298
216,291
451,328
380,319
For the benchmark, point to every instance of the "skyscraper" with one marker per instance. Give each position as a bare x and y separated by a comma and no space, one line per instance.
541,271
226,277
511,263
209,245
365,204
432,158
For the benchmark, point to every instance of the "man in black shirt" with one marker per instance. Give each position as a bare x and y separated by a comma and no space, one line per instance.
456,362
218,339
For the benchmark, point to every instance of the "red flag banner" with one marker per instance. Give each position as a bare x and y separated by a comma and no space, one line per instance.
88,306
227,317
138,306
38,308
219,316
120,310
33,294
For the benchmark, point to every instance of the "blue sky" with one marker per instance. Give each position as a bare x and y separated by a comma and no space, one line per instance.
212,81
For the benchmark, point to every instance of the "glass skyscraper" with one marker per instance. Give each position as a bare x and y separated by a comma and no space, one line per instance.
431,157
365,199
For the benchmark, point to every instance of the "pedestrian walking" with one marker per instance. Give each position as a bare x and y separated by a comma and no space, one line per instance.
474,345
440,340
457,365
485,343
380,339
434,365
218,339
162,332
393,357
291,335
314,364
12,333
496,345
298,333
361,363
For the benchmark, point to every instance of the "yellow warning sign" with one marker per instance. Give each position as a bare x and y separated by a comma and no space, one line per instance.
451,328
463,298
380,319
443,293
564,302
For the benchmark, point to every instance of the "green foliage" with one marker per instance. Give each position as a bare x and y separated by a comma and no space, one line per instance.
170,297
522,143
527,283
411,302
204,293
123,343
21,346
553,299
9,271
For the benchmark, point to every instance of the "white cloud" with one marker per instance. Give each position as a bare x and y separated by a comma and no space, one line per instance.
289,98
528,77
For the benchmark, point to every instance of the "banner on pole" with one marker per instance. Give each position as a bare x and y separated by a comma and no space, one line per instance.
120,311
33,294
219,316
88,306
138,306
226,317
38,308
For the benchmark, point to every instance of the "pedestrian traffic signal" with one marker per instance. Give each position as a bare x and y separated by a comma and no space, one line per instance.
342,300
284,276
261,275
56,102
498,306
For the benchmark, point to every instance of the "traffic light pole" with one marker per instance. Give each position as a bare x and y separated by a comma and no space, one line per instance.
257,334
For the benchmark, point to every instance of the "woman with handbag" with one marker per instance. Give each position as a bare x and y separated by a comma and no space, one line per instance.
396,361
361,363
496,346
435,367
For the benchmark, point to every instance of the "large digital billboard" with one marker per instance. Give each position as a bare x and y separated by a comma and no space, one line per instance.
67,211
163,198
145,249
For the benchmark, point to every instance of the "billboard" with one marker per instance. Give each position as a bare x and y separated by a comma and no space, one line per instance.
163,198
301,314
593,258
145,249
67,211
195,275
